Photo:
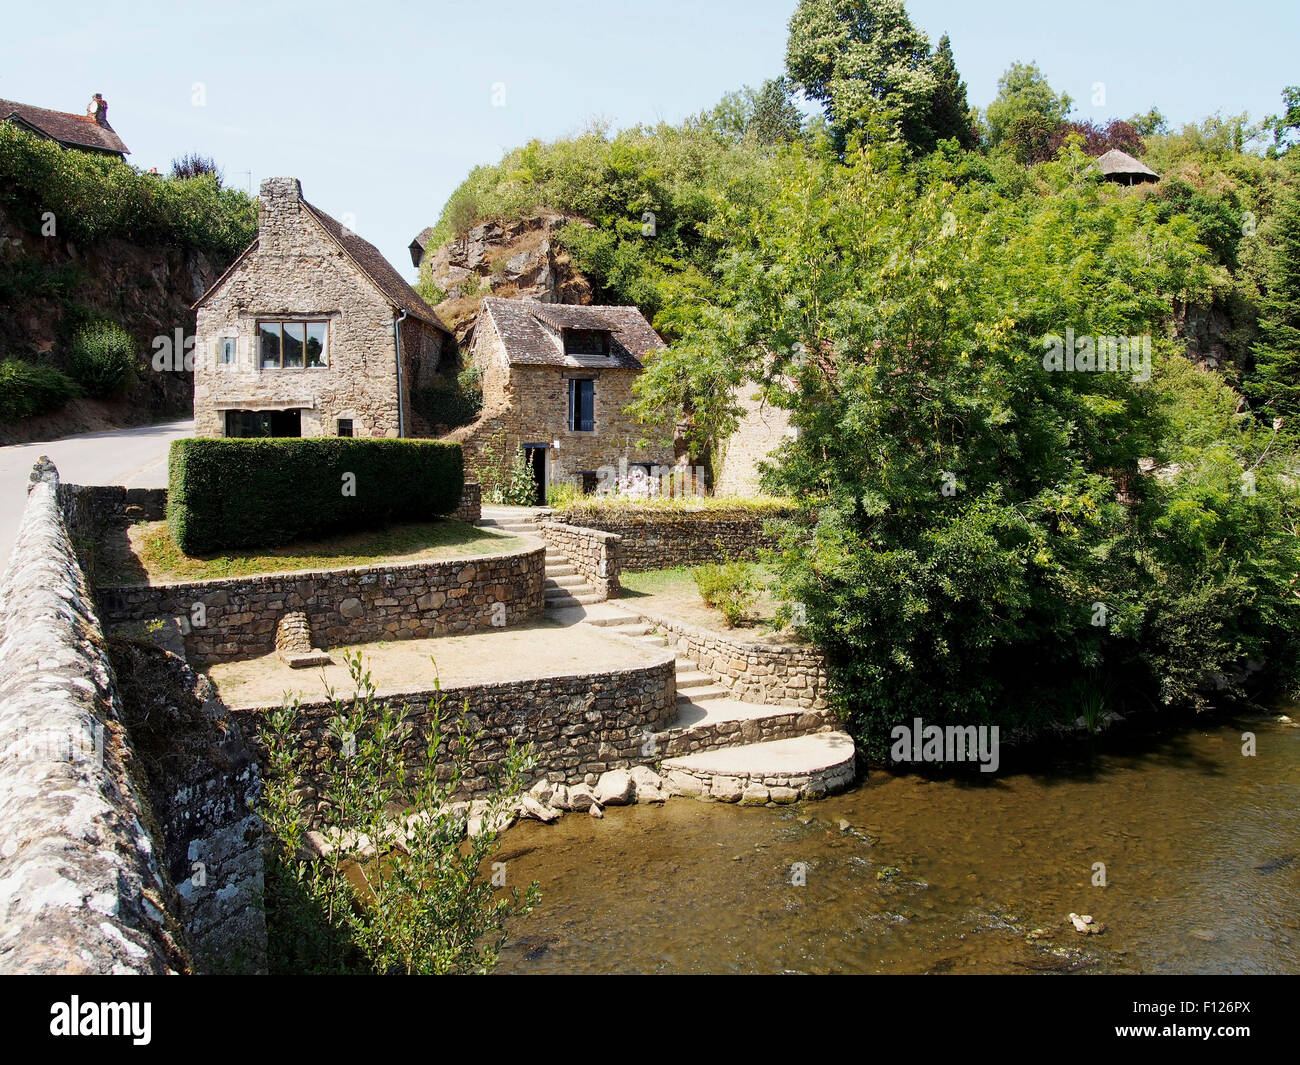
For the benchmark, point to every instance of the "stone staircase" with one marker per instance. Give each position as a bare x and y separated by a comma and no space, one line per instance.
564,586
728,750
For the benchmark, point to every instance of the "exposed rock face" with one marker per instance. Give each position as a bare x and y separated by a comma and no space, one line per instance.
515,259
147,289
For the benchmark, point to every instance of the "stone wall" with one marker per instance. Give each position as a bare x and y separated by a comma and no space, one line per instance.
470,510
594,554
658,539
793,675
580,725
344,606
81,887
761,429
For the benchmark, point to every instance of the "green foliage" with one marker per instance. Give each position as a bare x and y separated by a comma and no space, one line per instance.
448,405
1025,95
967,506
871,69
102,359
672,508
517,488
561,494
94,197
731,588
1275,381
230,493
399,887
28,389
949,111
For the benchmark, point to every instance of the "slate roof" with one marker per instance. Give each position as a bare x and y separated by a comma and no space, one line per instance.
418,246
78,131
378,269
1117,162
527,342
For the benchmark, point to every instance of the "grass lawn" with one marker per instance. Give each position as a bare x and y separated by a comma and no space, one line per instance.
672,593
149,553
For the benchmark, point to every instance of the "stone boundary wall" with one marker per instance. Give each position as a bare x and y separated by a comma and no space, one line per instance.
360,604
651,540
580,725
755,672
470,510
739,731
81,890
594,554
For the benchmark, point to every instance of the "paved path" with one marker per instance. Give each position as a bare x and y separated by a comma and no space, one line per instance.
136,458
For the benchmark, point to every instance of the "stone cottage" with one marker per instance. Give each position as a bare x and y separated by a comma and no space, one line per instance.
311,332
557,381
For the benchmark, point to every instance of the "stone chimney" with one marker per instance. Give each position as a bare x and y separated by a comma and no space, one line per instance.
279,201
98,110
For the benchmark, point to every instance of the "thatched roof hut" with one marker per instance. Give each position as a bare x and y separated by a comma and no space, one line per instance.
1123,169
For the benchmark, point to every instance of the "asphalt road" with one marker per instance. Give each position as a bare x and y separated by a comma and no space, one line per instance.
136,458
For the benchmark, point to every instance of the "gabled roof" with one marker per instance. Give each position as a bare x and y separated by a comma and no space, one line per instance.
77,131
420,244
391,285
1117,162
528,343
378,269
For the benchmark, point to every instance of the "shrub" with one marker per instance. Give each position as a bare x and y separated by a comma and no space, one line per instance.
28,389
563,493
101,359
246,493
729,587
193,165
517,488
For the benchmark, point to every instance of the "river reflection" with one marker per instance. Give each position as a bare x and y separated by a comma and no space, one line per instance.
1200,846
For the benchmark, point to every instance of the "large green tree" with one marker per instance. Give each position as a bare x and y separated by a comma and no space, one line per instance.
866,63
950,115
1025,97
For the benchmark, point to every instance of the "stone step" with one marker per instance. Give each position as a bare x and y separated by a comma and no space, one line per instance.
777,771
657,641
555,591
693,678
572,580
613,620
564,599
695,695
635,629
560,569
717,723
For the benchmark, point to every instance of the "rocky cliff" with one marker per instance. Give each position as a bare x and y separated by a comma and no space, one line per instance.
50,287
513,259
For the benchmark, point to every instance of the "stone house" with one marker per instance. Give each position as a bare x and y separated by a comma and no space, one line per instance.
557,381
761,429
311,332
87,133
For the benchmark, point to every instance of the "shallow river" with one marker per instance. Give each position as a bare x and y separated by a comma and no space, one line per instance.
1201,849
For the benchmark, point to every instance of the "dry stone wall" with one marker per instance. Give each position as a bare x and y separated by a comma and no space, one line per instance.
594,554
659,539
791,675
343,606
81,887
580,725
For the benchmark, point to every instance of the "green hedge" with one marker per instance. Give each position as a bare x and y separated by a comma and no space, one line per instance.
228,494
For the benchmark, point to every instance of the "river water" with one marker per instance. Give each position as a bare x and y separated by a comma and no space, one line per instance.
1201,847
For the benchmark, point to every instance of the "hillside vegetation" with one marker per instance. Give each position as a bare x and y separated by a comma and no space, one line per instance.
96,260
999,537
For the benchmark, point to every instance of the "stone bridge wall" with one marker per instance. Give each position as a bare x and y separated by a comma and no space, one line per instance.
82,888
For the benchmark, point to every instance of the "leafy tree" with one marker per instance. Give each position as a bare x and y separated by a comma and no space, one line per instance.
1023,93
1285,127
1275,381
866,63
193,165
1150,124
776,119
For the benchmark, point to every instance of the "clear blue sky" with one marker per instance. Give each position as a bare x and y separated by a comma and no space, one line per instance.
381,108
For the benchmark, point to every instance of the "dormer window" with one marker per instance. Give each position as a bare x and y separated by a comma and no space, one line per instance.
586,341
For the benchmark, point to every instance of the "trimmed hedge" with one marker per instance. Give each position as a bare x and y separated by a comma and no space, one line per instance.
228,494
